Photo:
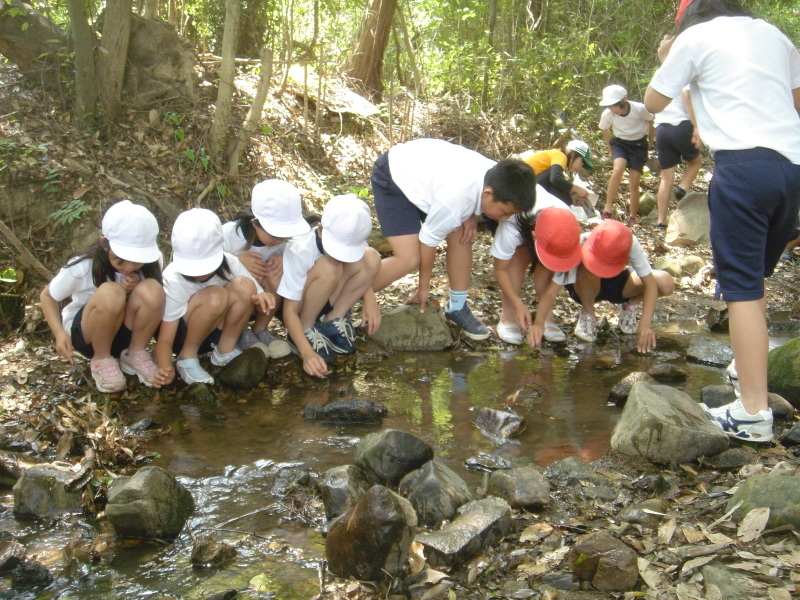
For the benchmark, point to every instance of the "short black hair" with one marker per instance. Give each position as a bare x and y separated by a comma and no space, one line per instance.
700,11
513,182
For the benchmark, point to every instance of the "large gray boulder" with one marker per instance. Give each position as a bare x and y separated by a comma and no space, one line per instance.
665,425
690,223
39,492
779,493
389,455
149,504
783,371
405,328
435,491
341,488
521,487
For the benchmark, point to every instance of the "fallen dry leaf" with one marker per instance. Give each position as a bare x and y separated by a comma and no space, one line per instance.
691,565
666,531
753,524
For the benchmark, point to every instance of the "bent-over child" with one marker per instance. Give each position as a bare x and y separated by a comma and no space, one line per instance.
116,299
325,272
556,168
210,298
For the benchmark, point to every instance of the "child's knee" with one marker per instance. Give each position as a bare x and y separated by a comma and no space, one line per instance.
150,293
665,283
372,261
327,269
110,295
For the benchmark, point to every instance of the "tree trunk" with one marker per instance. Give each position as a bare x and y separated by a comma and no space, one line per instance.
113,54
85,89
150,9
227,74
366,62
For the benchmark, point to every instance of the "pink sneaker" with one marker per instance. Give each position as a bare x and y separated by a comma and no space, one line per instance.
139,363
106,374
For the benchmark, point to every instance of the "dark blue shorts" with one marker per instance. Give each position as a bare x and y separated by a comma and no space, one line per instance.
120,342
633,151
396,213
610,289
180,338
673,143
753,198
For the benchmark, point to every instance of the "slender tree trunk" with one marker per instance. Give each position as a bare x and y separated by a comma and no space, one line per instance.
256,108
412,59
85,90
366,61
113,54
227,74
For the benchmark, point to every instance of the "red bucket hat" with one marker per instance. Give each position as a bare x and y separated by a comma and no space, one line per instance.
558,239
606,250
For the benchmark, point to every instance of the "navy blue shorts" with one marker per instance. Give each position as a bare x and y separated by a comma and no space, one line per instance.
397,215
610,289
120,342
633,151
753,198
180,338
674,142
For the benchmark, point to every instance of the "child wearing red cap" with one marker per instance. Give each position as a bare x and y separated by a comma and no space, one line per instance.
603,275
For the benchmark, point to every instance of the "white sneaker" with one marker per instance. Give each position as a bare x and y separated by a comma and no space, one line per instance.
220,360
732,378
190,371
628,320
553,333
735,421
510,333
586,328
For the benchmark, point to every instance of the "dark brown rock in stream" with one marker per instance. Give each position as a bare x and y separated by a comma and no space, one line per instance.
347,412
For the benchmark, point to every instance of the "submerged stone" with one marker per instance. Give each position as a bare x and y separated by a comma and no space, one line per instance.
406,329
39,492
347,412
710,351
501,424
246,370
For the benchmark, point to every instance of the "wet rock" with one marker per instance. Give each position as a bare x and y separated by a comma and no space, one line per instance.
619,393
347,412
779,493
287,478
665,426
691,265
690,223
731,583
501,424
561,581
12,464
714,396
198,393
487,462
30,575
435,492
783,371
39,492
649,513
372,539
717,320
246,370
11,554
732,458
571,471
102,548
480,524
341,488
667,373
654,484
207,552
150,504
520,487
710,351
226,595
145,424
406,329
792,437
781,408
391,454
606,562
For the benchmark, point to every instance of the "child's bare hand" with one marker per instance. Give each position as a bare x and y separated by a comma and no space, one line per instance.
64,346
468,231
419,297
315,365
535,335
275,266
371,315
252,262
265,301
647,340
164,376
664,47
128,282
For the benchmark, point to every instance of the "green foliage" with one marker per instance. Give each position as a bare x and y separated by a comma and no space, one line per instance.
71,211
8,276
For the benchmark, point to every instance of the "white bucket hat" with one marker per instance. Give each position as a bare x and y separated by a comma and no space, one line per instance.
346,225
613,94
278,207
197,242
131,231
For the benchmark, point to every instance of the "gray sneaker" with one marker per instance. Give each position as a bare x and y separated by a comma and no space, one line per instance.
470,325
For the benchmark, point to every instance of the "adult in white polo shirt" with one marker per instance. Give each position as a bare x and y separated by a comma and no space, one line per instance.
428,191
744,77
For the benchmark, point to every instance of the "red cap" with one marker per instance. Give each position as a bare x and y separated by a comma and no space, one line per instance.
558,239
606,250
681,9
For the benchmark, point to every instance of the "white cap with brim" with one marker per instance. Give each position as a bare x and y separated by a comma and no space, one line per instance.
613,94
278,207
132,232
197,242
346,225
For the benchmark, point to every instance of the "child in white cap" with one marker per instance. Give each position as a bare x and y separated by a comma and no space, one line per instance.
117,299
210,298
325,272
257,237
633,137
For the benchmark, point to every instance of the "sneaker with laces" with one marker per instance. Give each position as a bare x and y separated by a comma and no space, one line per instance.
106,374
586,328
628,320
277,347
732,378
735,421
219,359
247,339
139,363
190,371
319,343
340,334
470,325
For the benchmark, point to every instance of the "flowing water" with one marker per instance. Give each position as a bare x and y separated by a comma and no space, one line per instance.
226,453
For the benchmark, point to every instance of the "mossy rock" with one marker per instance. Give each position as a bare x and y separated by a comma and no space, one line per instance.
783,371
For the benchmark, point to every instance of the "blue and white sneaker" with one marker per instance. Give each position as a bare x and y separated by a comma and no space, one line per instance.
190,371
471,326
732,378
340,334
220,360
320,344
735,421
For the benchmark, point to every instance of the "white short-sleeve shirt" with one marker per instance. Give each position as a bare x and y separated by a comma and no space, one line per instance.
508,238
636,259
632,126
741,73
675,113
443,180
236,244
179,290
299,257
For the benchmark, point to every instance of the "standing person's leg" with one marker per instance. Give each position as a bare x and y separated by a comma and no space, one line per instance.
585,291
405,259
633,177
459,271
542,276
665,194
516,270
620,164
690,172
